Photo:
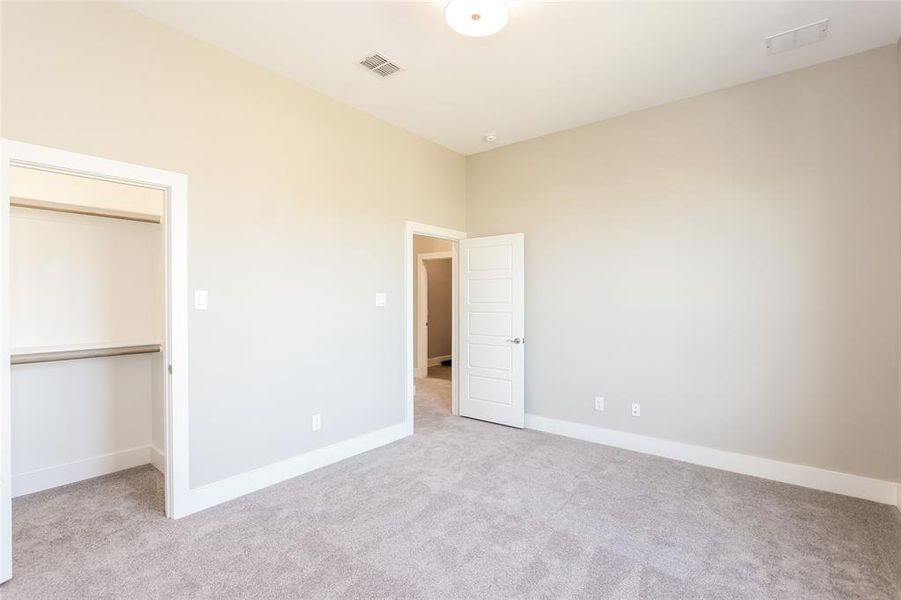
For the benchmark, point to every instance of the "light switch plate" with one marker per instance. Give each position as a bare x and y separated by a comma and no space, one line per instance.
381,299
317,422
200,300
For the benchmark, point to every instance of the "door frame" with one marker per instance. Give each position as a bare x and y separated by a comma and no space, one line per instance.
175,348
422,310
412,228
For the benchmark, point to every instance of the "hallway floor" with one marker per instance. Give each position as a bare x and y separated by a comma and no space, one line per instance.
440,372
463,509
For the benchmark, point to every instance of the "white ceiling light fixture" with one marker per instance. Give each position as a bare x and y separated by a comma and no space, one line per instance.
477,18
490,137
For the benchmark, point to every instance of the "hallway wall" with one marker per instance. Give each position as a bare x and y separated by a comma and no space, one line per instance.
440,303
423,245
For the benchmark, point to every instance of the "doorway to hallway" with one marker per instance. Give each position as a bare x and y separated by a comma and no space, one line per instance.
487,367
434,318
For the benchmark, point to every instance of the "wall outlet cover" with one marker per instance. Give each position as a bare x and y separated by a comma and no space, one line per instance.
598,403
636,409
201,299
317,422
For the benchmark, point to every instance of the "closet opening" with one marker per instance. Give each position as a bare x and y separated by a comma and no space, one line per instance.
86,331
94,340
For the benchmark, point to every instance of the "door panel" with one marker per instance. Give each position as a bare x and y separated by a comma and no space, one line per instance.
490,324
492,315
483,356
490,291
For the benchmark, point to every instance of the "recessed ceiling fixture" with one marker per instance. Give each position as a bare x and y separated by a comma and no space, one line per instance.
797,37
378,64
477,18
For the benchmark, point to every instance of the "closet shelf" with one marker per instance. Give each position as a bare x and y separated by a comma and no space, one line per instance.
83,210
57,353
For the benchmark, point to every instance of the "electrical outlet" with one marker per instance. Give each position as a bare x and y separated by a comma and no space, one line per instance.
636,409
598,403
317,422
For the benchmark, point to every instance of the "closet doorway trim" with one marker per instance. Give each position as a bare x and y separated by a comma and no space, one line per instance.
175,224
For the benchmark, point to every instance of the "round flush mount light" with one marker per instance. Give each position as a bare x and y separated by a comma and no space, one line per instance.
477,18
490,137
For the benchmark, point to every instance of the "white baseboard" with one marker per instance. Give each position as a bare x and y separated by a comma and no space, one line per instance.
158,459
234,487
51,477
877,490
437,360
421,372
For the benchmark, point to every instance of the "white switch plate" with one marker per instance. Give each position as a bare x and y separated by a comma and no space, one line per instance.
200,299
317,422
636,409
381,299
598,403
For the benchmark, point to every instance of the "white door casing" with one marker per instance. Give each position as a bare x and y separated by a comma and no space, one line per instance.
412,228
175,347
492,329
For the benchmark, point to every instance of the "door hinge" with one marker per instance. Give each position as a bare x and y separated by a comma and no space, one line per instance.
170,369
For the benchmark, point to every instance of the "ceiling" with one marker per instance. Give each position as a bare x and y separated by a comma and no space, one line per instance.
557,65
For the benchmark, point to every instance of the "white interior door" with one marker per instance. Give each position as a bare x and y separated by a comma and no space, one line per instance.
492,329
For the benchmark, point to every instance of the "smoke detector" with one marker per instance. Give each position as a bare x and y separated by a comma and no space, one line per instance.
379,65
797,37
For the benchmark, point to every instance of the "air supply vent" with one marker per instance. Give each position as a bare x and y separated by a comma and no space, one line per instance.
378,64
797,37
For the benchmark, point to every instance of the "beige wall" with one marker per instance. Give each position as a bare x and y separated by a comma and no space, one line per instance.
296,218
423,245
440,307
730,261
80,280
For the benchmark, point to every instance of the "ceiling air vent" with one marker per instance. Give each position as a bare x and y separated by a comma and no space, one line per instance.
378,64
795,38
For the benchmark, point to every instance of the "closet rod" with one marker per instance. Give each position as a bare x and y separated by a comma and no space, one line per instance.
41,357
76,210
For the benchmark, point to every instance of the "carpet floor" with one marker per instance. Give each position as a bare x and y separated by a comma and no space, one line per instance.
440,372
463,509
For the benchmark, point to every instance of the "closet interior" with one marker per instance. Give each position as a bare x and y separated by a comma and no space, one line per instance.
86,273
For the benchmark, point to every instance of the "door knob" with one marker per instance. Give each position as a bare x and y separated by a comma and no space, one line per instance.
517,340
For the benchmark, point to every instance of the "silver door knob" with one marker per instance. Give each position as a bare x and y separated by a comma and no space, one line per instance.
517,340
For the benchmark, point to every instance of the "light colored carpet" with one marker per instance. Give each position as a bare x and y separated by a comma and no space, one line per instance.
440,372
463,509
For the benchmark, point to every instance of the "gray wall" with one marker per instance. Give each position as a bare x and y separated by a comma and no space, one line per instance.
730,261
296,218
